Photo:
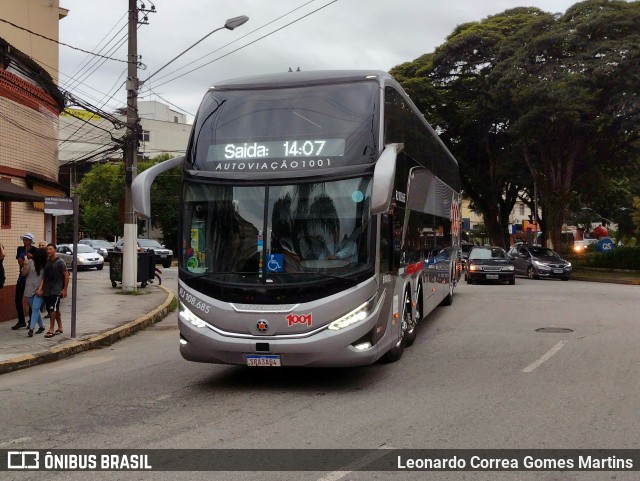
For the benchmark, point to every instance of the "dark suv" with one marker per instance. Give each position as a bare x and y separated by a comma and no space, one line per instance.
163,255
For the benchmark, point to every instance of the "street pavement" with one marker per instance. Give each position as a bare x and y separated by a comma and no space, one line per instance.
478,376
100,307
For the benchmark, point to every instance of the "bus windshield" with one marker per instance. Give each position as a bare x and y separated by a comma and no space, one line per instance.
277,234
286,129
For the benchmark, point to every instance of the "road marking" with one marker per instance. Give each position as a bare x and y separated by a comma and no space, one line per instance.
545,357
15,441
358,463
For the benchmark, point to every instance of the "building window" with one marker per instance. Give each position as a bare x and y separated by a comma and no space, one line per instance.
5,207
145,136
6,215
175,119
521,209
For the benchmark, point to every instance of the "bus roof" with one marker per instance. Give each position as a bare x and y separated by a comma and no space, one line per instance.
289,79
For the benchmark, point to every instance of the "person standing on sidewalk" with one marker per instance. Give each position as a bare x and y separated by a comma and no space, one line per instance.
53,288
33,271
43,245
2,277
22,253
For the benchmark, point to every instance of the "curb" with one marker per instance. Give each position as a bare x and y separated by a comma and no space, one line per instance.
96,342
629,282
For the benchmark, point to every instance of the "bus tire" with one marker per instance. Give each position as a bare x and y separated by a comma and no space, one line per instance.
410,336
448,300
395,353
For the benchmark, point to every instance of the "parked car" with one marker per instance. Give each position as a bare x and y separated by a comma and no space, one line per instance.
101,246
489,263
163,255
580,246
536,261
86,256
465,248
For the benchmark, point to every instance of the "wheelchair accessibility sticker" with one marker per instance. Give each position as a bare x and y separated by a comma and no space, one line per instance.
275,263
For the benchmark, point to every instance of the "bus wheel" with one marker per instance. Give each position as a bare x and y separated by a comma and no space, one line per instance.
396,352
447,301
410,335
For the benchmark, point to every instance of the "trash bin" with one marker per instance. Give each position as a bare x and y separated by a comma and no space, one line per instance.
146,268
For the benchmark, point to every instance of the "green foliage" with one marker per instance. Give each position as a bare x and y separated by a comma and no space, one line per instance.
618,258
101,191
527,95
635,215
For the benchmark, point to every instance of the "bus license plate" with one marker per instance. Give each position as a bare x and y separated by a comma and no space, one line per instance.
558,271
272,360
492,276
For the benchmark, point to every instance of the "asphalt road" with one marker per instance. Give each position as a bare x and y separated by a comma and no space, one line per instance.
478,376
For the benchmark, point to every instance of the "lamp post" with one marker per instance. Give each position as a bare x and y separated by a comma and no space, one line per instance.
130,258
230,24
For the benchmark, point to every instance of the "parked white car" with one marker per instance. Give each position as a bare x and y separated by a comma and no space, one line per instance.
87,257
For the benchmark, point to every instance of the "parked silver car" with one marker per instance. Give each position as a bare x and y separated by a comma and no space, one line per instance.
101,246
86,256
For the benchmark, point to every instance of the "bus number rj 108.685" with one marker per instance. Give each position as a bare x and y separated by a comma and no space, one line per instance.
193,301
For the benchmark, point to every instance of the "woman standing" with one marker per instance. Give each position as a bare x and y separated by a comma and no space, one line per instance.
33,270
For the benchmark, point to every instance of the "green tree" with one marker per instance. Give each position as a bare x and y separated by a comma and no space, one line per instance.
101,191
572,82
452,87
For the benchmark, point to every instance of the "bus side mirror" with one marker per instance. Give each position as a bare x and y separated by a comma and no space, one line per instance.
141,186
384,178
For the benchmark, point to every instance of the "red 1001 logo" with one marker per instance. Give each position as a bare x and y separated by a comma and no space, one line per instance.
293,319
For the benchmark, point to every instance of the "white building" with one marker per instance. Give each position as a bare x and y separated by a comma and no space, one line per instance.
84,134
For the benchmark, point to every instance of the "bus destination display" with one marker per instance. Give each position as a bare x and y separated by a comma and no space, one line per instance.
280,149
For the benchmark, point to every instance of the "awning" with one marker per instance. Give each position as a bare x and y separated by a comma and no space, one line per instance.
15,193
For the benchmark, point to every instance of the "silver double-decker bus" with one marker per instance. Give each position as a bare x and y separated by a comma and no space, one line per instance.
319,221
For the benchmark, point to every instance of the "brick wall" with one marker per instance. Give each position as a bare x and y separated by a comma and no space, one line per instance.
27,139
28,144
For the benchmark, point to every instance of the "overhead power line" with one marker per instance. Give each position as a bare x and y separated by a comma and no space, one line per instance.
243,46
61,43
169,74
87,58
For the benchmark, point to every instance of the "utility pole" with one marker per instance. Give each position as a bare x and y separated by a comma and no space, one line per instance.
130,247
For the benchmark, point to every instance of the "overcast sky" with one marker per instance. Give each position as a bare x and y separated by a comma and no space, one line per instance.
346,34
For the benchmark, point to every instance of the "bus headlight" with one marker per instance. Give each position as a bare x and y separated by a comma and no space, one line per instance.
358,314
190,317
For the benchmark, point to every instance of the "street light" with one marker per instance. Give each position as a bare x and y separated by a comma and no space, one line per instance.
602,217
230,24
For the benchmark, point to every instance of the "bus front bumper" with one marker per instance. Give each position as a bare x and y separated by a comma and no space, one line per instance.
324,349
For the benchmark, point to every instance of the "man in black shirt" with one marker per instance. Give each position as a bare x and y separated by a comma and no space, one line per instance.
24,251
53,288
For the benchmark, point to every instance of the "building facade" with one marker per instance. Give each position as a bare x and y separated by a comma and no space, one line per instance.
164,130
30,103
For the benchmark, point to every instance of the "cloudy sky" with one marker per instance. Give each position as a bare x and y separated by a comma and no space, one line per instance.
345,34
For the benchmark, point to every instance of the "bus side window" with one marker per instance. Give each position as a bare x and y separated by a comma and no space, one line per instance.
386,243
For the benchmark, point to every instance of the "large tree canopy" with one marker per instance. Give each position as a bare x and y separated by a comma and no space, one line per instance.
526,95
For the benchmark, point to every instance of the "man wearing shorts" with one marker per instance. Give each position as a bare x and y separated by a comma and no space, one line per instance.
54,288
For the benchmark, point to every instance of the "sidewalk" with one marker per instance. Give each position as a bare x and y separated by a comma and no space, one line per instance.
103,315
